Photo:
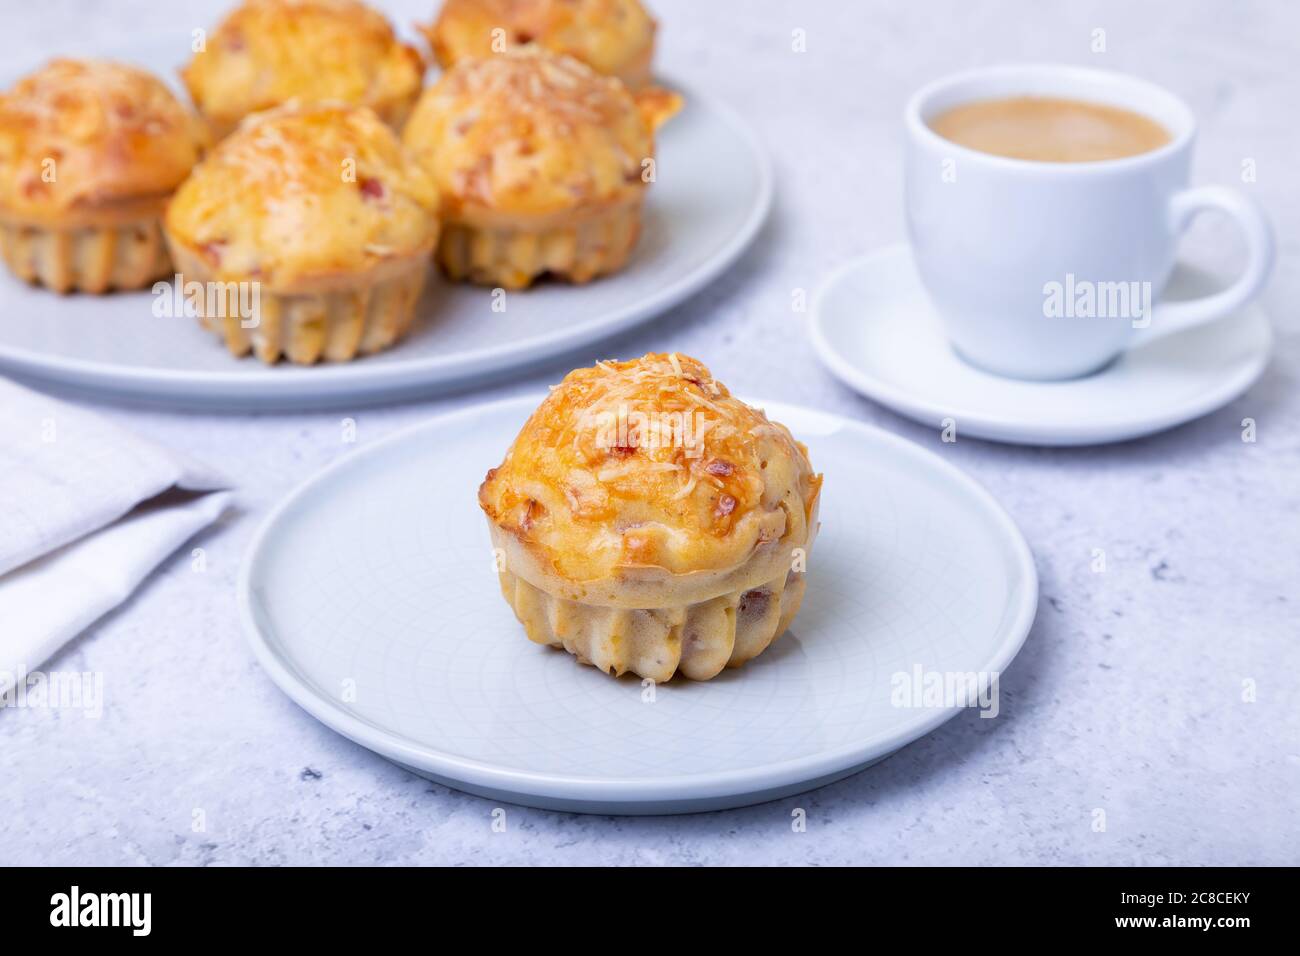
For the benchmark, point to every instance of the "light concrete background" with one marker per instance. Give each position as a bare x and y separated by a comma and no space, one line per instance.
1128,696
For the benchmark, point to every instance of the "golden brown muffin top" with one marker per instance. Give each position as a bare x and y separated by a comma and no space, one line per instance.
305,193
649,463
82,133
532,132
267,52
608,35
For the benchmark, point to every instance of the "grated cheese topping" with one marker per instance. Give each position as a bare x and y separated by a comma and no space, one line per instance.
611,36
648,462
267,52
304,191
82,132
533,132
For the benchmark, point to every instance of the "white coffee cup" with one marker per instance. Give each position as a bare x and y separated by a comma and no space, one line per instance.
1007,248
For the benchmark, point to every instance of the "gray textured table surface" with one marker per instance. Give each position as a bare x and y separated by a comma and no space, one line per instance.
1128,696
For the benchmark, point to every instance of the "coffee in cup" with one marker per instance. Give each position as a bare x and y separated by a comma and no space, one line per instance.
1044,206
1050,129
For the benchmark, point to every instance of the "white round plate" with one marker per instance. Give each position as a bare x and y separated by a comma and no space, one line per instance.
370,598
712,192
875,329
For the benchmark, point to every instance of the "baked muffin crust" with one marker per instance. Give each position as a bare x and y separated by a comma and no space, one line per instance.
528,132
85,141
267,52
614,37
305,196
695,483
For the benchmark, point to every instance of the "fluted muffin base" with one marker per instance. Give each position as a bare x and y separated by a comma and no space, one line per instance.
512,257
698,640
343,319
87,258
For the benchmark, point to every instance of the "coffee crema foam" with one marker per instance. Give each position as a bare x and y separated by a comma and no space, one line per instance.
1049,129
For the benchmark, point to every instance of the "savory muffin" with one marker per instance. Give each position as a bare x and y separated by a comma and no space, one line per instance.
316,210
541,163
267,52
89,153
615,37
645,520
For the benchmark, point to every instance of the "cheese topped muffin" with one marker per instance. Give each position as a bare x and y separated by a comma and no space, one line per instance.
321,208
649,521
89,153
542,164
615,37
267,52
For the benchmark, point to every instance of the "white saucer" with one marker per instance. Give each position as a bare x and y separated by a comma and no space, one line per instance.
713,191
875,329
370,597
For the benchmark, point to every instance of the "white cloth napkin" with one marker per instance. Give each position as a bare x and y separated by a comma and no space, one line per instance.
87,510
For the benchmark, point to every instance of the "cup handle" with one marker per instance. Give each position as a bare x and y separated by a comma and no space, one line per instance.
1183,207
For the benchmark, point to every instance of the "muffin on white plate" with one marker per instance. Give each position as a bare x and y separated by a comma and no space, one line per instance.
318,208
541,166
90,151
647,521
